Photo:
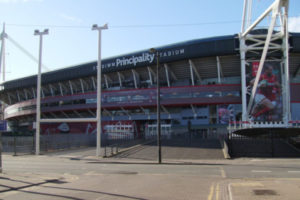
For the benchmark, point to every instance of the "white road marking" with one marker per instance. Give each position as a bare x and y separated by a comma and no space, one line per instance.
261,171
293,171
230,192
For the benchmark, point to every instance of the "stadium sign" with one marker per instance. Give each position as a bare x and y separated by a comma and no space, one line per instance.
140,59
133,60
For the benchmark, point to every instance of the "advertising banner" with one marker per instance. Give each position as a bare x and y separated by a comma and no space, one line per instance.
229,113
267,104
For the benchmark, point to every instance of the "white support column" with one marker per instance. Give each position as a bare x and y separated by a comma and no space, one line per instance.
243,80
259,19
195,69
9,99
33,93
25,94
263,57
93,82
107,112
60,89
219,68
166,110
106,81
92,113
126,112
120,79
134,78
150,71
249,13
82,86
192,75
146,113
77,113
65,114
71,87
285,49
51,90
167,74
43,94
244,16
2,54
53,115
194,111
18,96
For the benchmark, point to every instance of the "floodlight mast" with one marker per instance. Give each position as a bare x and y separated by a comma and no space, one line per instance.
38,101
99,73
279,10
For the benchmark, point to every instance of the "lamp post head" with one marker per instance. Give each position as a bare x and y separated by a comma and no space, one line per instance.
36,32
96,27
45,32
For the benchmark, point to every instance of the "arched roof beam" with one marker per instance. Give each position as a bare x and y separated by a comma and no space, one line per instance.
195,69
121,78
134,75
167,74
219,69
106,79
151,74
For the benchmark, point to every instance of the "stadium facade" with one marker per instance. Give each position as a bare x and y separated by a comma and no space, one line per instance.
200,86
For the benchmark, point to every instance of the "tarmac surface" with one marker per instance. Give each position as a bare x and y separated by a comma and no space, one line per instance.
79,174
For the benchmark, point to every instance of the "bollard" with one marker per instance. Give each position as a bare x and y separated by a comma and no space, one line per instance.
15,146
105,151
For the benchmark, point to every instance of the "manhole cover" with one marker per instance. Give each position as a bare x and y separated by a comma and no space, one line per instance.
74,158
264,192
56,181
125,172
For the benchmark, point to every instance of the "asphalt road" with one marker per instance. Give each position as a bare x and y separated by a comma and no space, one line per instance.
80,175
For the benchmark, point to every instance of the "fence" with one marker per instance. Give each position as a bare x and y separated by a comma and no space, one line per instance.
268,145
26,144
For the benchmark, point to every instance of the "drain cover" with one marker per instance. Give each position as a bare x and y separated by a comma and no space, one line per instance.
264,192
125,172
56,181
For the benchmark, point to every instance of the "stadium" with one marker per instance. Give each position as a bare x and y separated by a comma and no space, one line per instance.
246,83
200,84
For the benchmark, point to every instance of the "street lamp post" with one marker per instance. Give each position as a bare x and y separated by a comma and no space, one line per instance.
38,101
158,128
99,72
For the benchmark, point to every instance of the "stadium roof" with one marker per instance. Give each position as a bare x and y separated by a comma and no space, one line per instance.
214,46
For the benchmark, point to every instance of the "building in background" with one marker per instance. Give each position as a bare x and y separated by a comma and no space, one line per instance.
200,85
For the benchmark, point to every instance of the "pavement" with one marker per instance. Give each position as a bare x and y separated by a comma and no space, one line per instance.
79,174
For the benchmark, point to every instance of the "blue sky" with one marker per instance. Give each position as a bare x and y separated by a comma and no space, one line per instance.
133,25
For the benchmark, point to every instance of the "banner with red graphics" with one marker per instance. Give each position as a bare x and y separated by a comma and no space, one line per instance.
109,127
267,102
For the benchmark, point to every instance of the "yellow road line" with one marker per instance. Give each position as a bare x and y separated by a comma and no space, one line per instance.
211,193
223,173
217,191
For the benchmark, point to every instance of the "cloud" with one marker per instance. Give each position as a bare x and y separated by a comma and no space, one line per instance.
19,1
294,24
70,18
